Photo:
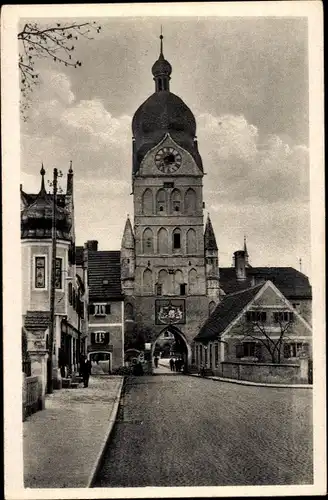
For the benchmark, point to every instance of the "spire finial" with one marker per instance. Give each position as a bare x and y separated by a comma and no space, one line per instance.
300,261
161,39
42,172
70,167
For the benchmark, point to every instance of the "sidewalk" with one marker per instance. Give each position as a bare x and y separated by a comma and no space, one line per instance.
63,444
259,384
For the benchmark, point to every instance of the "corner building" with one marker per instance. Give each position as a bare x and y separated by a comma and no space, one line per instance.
169,264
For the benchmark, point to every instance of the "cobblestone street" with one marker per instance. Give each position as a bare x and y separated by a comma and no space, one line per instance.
184,431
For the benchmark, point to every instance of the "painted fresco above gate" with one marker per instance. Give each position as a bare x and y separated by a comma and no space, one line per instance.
170,311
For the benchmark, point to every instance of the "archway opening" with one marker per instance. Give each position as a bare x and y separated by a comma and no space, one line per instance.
171,345
100,362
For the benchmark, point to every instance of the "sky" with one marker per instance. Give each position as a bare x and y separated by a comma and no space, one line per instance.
245,80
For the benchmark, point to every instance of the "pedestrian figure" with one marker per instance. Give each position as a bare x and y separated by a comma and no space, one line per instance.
156,361
171,364
86,368
174,364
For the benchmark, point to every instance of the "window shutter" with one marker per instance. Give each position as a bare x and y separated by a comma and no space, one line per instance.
106,341
107,308
239,350
275,317
93,338
248,316
286,351
291,317
264,316
91,309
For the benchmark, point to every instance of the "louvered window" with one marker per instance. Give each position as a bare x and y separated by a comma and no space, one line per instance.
256,316
283,317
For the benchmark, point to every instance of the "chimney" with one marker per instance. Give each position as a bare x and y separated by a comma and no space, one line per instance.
240,264
92,245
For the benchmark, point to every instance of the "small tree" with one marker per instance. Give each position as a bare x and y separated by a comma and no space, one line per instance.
138,337
55,42
260,332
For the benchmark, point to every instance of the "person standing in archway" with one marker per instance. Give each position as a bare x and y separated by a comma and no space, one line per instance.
156,361
171,364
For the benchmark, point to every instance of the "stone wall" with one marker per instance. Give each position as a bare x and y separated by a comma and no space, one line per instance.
265,372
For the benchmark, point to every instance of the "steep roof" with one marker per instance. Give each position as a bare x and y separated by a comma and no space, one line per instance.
104,275
209,236
290,282
37,320
225,312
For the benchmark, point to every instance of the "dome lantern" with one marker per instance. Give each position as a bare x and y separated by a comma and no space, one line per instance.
161,70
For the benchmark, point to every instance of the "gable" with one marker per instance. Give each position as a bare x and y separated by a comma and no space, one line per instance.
188,165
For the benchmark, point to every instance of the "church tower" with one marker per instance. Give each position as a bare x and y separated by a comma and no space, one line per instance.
170,285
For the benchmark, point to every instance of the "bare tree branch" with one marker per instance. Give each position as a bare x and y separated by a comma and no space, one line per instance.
52,42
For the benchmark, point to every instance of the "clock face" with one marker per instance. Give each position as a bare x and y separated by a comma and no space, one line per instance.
168,160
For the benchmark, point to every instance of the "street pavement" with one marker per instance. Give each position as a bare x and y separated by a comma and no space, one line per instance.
188,431
62,444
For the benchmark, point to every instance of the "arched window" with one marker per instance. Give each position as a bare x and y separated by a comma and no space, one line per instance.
147,241
211,307
147,202
163,241
179,284
147,281
175,201
192,281
161,201
162,283
191,241
176,240
190,202
128,311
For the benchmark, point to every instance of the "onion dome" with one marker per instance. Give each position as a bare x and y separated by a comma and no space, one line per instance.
36,218
163,112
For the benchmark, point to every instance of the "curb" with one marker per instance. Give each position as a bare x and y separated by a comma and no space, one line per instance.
257,384
112,420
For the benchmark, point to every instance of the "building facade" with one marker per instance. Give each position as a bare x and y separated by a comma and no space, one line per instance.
255,325
105,308
36,251
169,266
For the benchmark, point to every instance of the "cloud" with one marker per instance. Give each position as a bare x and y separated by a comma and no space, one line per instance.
246,166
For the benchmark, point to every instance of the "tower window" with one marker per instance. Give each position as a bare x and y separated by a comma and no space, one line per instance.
161,208
177,206
176,241
159,289
183,289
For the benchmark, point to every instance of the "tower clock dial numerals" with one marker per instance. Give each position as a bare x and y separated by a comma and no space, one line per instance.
168,160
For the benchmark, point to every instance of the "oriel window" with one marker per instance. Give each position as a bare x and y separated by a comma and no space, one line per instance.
40,272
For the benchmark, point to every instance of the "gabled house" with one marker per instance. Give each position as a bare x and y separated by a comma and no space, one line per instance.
105,308
258,325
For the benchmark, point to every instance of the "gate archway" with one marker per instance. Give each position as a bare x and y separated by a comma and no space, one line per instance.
101,362
179,346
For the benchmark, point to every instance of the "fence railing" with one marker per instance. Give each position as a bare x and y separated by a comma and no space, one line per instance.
31,396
